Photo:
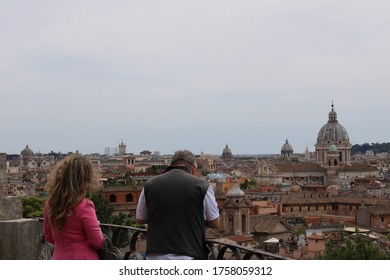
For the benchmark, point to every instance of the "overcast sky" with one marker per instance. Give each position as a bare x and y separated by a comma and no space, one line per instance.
173,74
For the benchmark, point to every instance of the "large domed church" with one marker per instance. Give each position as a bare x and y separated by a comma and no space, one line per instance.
333,137
332,166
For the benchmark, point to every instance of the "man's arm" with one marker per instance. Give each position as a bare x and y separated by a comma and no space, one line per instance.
213,224
211,209
141,215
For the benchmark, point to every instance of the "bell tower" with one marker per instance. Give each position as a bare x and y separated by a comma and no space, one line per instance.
235,212
122,148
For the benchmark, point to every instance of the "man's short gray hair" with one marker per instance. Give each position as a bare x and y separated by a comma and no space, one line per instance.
183,155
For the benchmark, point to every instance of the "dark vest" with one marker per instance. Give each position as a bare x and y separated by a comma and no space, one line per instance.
176,224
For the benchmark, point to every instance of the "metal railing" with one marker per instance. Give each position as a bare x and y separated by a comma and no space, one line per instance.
132,241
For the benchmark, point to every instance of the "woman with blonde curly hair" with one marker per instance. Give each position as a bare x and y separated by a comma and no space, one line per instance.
70,221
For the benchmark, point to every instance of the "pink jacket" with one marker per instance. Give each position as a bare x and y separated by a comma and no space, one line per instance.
79,236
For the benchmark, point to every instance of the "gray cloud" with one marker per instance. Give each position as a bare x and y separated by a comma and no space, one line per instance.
163,75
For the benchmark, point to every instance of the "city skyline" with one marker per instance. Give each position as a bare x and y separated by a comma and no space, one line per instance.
193,75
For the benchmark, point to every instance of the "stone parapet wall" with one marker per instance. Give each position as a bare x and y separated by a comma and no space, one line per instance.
20,239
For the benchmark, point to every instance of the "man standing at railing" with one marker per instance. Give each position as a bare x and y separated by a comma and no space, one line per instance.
177,207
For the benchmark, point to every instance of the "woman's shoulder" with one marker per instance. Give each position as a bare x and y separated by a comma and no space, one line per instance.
85,203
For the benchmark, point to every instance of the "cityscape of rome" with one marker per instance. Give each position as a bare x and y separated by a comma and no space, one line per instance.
290,205
245,85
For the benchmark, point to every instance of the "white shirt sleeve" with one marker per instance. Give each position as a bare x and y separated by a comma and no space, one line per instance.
141,212
210,206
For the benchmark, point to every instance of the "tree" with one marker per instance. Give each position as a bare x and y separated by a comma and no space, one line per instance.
156,169
104,210
122,219
33,206
375,147
359,248
247,184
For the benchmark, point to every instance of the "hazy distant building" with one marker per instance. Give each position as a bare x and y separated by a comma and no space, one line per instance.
287,150
110,151
227,153
146,153
307,154
122,149
29,160
26,155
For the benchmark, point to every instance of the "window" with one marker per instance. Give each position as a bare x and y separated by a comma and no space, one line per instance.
129,197
243,221
112,198
231,223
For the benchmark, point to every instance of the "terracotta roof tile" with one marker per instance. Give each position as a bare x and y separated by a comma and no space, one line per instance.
298,167
379,209
266,223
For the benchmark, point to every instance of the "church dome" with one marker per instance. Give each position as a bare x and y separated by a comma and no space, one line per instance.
332,132
287,148
227,153
27,152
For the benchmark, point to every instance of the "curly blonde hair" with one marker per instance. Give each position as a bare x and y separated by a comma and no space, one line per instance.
67,186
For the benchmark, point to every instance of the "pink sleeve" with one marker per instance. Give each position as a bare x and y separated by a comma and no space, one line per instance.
47,231
87,214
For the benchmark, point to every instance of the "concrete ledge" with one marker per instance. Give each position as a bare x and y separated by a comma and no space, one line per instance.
11,208
20,239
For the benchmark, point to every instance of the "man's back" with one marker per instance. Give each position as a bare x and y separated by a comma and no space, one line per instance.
174,202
